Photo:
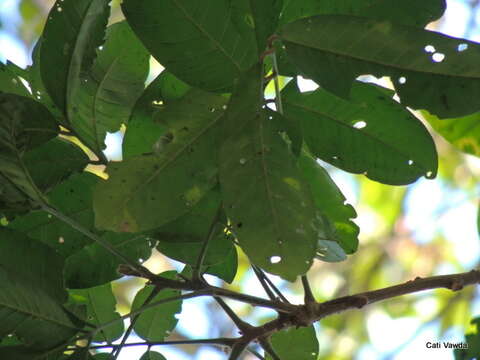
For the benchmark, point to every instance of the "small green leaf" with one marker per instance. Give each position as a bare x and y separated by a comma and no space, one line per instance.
330,201
296,344
106,96
156,323
429,70
264,195
74,29
205,46
152,355
32,295
371,134
145,192
100,304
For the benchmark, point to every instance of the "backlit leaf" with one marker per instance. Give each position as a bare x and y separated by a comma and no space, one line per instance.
371,134
429,70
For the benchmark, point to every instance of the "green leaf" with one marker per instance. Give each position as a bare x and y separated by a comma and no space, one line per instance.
145,192
73,31
296,344
142,130
31,295
24,124
152,355
408,12
156,323
463,132
171,87
51,163
265,15
11,83
105,98
227,269
264,195
429,70
74,199
371,134
206,46
330,201
102,265
100,304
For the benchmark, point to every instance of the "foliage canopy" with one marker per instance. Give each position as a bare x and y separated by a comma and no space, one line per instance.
211,165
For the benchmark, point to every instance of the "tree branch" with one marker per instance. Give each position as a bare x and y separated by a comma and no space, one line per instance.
454,282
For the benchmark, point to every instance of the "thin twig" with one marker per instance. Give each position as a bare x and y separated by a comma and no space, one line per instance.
217,341
201,257
116,351
269,349
308,294
261,278
241,325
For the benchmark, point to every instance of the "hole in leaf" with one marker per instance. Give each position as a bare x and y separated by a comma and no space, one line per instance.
275,259
462,47
429,49
243,161
61,240
157,102
429,174
438,57
334,157
402,80
410,162
360,124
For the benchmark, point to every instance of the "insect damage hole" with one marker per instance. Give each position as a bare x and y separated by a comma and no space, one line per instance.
462,47
438,57
359,124
402,80
275,259
410,162
429,49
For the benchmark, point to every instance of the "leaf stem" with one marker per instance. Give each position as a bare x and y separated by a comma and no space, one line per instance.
92,236
216,341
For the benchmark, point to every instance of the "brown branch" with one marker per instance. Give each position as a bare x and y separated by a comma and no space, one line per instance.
454,282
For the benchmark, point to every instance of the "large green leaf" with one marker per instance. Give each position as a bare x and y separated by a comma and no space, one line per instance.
145,192
204,44
408,12
156,323
264,195
31,295
73,31
371,134
429,70
102,265
74,199
51,163
105,98
24,124
296,344
330,201
100,304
